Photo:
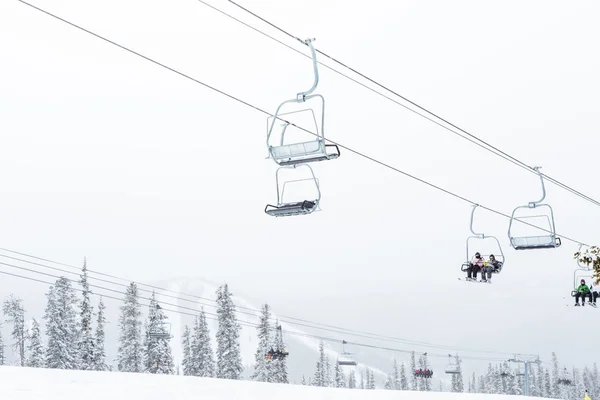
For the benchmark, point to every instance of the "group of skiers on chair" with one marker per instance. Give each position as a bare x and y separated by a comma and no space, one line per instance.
425,373
276,354
487,268
584,291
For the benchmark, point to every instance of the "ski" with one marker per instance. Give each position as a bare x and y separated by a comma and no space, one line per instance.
472,280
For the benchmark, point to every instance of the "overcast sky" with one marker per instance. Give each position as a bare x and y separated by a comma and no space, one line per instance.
153,177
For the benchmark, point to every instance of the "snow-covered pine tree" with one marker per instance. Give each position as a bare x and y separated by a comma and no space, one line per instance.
340,379
540,381
320,376
362,380
158,358
547,384
35,347
413,378
370,379
99,351
389,383
279,366
13,309
403,378
367,378
587,381
86,339
457,378
534,389
329,381
555,377
129,353
262,367
303,380
61,326
481,385
424,384
1,346
203,361
578,387
352,379
229,359
186,344
595,382
396,385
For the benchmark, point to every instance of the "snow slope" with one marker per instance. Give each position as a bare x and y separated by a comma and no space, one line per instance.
29,383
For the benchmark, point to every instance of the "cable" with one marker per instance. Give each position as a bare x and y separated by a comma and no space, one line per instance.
338,330
243,323
470,137
301,128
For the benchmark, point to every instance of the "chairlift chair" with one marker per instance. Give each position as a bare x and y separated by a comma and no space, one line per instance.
302,207
548,241
286,154
578,275
160,330
565,378
581,260
480,236
453,367
345,358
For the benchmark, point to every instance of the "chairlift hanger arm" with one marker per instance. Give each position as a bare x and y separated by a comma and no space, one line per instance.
302,96
533,204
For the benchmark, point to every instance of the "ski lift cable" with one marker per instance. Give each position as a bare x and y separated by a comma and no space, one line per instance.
313,325
246,323
299,127
436,118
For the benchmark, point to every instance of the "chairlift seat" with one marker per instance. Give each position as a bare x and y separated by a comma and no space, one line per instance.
535,242
301,153
291,209
452,369
346,361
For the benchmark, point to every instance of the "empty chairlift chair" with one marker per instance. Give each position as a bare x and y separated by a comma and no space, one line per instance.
529,242
481,239
290,152
296,207
160,330
453,367
345,359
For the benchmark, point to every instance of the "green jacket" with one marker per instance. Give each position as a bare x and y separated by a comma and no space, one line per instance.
583,289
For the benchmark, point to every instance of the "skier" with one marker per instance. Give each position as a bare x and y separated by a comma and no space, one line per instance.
475,265
587,397
583,291
490,267
594,292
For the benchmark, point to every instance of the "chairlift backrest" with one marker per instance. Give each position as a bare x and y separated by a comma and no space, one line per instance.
529,242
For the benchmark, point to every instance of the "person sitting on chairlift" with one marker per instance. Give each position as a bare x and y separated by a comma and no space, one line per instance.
474,267
594,287
583,291
490,267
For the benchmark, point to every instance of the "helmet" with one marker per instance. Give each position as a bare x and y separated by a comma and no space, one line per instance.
477,255
492,256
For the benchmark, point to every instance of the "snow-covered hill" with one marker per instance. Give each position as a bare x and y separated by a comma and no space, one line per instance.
30,383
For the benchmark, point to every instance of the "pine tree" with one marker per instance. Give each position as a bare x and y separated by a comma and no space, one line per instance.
320,377
389,383
340,379
424,384
555,376
370,379
279,366
328,377
547,384
99,351
396,384
13,309
203,362
457,378
413,377
303,380
362,380
229,360
403,378
35,348
86,341
187,352
129,353
352,380
262,368
61,326
540,381
158,358
1,347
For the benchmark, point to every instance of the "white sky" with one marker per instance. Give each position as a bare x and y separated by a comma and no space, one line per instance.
153,177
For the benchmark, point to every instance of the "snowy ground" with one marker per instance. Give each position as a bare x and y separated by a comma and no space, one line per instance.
28,383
